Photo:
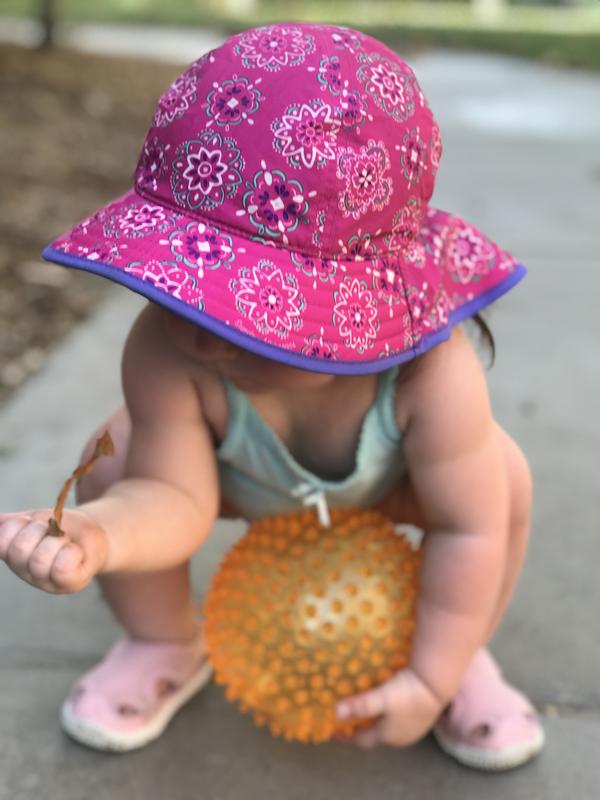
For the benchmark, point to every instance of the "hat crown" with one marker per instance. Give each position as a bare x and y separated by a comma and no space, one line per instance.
315,138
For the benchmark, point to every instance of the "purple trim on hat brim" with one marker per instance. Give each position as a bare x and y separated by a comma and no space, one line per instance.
333,367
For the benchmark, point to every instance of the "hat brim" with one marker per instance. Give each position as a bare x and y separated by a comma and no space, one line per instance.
361,313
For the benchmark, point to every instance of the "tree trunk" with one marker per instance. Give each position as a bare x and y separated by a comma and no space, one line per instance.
47,9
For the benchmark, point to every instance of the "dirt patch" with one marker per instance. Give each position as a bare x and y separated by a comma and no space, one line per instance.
71,127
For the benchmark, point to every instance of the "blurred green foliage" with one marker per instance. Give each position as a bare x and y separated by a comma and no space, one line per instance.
565,35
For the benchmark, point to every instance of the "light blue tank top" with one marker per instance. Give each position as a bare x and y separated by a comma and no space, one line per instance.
260,477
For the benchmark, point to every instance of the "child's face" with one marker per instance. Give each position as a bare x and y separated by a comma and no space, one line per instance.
249,372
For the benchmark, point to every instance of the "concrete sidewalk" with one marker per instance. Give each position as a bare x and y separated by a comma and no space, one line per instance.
535,188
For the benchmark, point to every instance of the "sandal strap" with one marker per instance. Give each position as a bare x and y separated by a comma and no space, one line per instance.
131,670
487,703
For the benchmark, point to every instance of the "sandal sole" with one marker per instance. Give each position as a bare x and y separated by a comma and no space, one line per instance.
101,738
478,758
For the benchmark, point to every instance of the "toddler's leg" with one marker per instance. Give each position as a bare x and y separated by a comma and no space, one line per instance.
129,698
520,483
154,605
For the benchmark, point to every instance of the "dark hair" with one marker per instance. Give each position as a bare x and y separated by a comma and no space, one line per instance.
485,335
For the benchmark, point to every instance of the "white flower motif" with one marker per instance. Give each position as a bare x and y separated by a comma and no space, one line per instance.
356,311
173,280
141,219
204,170
391,88
306,134
468,254
268,298
177,100
273,46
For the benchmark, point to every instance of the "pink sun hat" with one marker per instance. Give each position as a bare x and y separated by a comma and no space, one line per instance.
281,201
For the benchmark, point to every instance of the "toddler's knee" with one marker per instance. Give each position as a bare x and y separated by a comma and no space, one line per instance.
108,469
520,482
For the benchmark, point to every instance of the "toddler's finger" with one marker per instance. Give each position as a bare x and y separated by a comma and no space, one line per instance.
16,515
68,570
368,738
8,530
362,706
37,515
42,558
10,525
23,544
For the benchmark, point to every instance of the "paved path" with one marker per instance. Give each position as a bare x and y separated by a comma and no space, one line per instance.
531,180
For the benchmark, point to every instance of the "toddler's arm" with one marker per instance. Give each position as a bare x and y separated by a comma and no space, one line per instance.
164,507
457,470
167,501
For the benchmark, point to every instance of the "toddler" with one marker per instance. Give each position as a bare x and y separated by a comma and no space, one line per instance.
301,339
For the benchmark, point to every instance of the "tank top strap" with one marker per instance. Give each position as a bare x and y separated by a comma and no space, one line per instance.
382,413
385,404
238,407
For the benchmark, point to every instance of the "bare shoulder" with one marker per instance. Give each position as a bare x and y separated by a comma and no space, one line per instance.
157,378
445,397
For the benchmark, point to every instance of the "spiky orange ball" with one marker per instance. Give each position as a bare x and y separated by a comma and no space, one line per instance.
300,615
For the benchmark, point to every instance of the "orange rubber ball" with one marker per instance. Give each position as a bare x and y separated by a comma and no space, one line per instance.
300,615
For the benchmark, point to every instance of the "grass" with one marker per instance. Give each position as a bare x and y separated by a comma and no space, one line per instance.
562,35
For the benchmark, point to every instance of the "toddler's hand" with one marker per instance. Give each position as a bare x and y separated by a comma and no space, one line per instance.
406,708
56,564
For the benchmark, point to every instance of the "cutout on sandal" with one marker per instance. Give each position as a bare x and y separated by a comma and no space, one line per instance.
165,687
127,711
481,731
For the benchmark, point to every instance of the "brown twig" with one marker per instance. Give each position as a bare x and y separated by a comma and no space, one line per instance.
104,447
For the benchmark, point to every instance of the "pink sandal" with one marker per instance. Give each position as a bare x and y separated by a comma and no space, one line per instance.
129,698
489,725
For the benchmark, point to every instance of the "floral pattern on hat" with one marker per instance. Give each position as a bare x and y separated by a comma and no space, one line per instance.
137,221
306,134
321,269
355,314
435,148
269,298
274,47
182,94
354,110
316,347
154,163
201,247
96,251
233,101
414,156
170,278
329,74
389,84
206,170
366,185
466,254
346,38
282,200
387,281
404,236
275,204
359,247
